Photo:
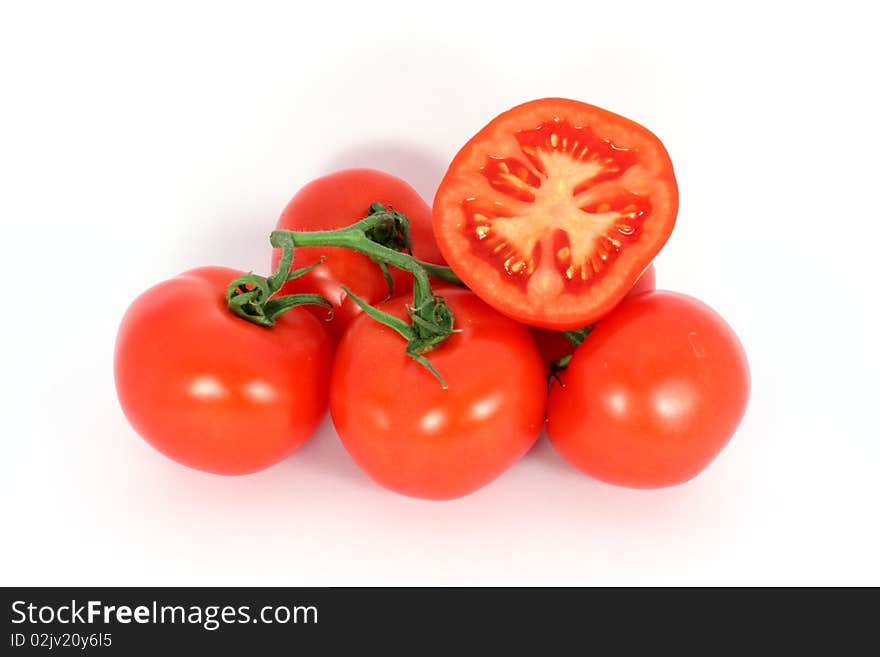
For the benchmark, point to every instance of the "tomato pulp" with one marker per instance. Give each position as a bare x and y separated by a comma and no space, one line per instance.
412,436
553,210
211,390
653,394
338,200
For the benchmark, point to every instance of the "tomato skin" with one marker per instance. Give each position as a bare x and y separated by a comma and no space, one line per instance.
554,345
533,285
213,391
413,437
647,282
338,200
653,395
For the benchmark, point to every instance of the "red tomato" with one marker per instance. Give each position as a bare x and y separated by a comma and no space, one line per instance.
553,210
653,394
412,436
554,345
647,282
336,201
211,390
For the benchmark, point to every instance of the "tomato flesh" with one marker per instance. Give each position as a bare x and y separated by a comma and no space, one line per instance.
554,209
553,345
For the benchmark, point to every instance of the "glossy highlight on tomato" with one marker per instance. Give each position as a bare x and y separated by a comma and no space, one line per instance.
553,210
412,436
340,199
652,395
211,390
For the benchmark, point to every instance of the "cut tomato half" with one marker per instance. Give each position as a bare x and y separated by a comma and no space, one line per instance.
552,211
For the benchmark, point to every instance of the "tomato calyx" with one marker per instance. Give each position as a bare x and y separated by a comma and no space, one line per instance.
252,297
389,228
391,231
432,323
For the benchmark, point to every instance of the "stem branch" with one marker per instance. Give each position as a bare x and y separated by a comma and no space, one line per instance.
383,236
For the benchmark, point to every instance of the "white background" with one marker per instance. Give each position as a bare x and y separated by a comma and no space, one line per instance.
139,140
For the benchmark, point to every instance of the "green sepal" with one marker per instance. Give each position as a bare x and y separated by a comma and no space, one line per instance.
282,304
422,335
251,297
245,297
383,267
296,273
404,329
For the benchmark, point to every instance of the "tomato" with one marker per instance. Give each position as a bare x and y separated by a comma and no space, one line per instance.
553,210
554,345
211,390
412,436
653,394
646,282
336,201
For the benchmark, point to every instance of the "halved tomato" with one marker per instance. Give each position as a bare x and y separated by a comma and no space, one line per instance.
553,210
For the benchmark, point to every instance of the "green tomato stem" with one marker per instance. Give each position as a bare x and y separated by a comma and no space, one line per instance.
383,236
440,272
252,297
432,321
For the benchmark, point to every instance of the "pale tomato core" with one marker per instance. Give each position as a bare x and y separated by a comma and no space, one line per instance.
567,211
